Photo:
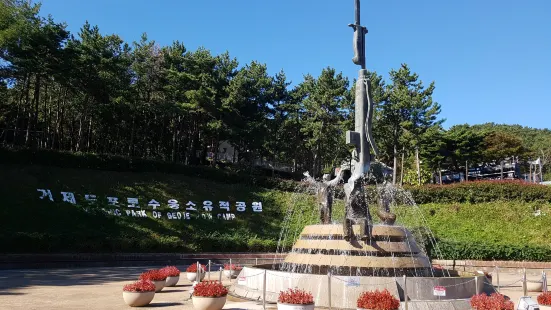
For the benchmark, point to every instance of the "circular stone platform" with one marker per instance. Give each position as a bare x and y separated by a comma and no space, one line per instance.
321,249
321,259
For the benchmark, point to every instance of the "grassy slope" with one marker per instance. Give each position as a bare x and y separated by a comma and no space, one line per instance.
31,225
505,223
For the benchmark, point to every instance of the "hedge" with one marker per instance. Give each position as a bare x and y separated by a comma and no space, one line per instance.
124,164
490,251
481,191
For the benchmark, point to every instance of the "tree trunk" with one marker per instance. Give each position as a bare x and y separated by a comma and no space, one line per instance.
29,110
132,133
418,166
89,135
402,168
79,135
395,156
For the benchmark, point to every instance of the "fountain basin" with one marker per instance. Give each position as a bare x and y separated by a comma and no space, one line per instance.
392,261
345,290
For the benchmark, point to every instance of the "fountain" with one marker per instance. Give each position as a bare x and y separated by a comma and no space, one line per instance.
336,262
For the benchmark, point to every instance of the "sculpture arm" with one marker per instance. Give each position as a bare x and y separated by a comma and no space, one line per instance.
337,179
309,179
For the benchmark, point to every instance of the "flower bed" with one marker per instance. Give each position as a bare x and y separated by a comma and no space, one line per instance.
153,275
210,289
544,299
171,271
377,300
493,302
295,297
140,286
193,268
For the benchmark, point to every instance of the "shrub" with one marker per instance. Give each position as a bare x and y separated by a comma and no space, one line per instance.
210,289
487,251
193,268
493,302
140,286
544,299
481,191
171,271
232,267
377,300
153,275
295,297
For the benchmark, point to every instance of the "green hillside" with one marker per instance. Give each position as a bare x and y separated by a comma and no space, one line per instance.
30,224
489,230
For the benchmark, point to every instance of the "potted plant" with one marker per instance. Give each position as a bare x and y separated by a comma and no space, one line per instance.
544,300
295,299
231,271
138,294
191,273
377,300
493,302
172,275
209,295
156,276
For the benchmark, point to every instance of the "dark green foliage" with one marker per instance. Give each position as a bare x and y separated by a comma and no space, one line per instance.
477,192
124,164
488,251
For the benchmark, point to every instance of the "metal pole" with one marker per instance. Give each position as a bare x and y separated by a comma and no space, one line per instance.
198,274
405,293
209,269
524,288
497,278
220,275
231,270
329,289
544,281
256,261
476,285
264,292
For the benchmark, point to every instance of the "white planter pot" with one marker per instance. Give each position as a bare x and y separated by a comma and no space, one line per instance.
192,276
172,281
138,299
534,286
295,307
159,285
542,307
231,274
208,303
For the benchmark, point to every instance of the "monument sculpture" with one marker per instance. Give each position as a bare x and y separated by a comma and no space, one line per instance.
324,194
321,252
356,207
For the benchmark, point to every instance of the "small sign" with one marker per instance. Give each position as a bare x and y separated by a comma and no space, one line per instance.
242,280
439,291
352,281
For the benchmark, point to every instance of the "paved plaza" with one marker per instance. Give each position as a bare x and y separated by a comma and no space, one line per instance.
101,289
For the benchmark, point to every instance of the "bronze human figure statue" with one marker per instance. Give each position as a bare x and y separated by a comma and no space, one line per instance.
324,193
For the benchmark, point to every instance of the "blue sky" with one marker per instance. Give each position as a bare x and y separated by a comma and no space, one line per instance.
490,59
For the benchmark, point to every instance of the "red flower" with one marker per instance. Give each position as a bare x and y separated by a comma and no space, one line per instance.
140,286
544,299
232,267
193,268
210,289
295,297
493,302
378,300
171,271
153,275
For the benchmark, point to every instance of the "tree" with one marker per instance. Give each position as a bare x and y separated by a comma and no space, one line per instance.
323,119
408,112
499,145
